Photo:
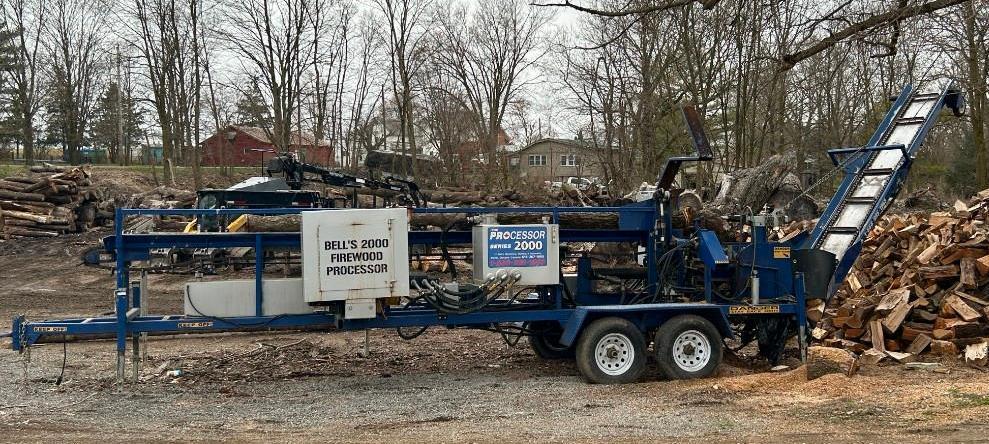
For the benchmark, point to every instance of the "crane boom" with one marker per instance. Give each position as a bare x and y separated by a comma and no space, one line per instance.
295,173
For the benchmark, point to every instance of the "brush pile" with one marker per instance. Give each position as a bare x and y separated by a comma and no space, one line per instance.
921,285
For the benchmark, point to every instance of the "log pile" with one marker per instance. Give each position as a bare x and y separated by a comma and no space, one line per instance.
773,182
47,205
920,285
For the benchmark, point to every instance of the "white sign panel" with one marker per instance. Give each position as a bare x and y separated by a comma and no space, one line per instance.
355,254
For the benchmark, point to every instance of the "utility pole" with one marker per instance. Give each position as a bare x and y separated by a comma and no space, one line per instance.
120,112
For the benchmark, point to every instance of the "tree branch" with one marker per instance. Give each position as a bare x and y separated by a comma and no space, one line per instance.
707,4
790,60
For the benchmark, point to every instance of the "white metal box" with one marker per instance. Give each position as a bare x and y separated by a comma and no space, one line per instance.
230,298
532,250
355,256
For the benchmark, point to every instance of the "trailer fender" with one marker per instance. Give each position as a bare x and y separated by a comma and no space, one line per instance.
646,316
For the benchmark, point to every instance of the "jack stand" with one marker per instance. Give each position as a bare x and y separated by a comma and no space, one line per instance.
802,342
366,351
121,364
136,358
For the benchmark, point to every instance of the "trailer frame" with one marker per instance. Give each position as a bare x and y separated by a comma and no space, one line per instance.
637,223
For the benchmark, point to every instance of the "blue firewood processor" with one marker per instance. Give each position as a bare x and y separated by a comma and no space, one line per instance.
688,293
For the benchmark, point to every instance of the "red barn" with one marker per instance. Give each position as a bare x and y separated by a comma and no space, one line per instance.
246,146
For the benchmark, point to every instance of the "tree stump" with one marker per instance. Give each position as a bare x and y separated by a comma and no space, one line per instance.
826,360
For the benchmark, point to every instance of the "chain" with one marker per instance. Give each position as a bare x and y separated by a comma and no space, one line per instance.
27,353
22,335
827,176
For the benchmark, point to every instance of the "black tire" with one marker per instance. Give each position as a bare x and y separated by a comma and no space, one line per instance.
625,347
699,350
546,341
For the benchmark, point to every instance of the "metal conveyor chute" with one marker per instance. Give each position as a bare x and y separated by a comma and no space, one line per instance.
874,173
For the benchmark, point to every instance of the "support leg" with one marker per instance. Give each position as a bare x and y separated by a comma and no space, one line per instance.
135,357
121,306
144,311
366,351
121,363
802,342
801,315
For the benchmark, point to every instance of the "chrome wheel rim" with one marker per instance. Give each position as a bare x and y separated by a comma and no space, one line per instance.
614,354
691,351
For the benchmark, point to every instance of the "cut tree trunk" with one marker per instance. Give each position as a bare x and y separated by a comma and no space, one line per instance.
27,232
14,195
290,223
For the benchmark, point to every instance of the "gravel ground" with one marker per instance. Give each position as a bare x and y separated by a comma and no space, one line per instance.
447,386
456,386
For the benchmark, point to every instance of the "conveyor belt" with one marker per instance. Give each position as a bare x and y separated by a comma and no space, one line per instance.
876,171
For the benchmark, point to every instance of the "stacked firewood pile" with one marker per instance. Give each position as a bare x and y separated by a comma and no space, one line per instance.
921,285
49,204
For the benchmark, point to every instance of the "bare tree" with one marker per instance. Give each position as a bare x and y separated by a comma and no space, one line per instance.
275,39
331,60
406,34
356,132
166,34
489,53
76,49
29,18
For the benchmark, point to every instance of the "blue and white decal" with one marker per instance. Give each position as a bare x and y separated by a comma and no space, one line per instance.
517,246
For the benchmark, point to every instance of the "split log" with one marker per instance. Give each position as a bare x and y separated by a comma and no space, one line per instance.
944,348
967,277
977,354
902,357
826,360
919,344
962,309
871,357
938,272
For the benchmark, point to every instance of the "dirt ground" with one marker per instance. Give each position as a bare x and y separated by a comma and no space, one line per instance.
446,386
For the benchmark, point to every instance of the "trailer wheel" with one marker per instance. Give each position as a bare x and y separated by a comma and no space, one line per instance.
688,347
546,341
611,351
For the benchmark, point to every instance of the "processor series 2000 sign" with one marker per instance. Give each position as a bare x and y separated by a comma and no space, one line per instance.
517,247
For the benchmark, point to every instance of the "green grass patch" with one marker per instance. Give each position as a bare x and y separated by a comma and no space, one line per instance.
9,170
969,399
